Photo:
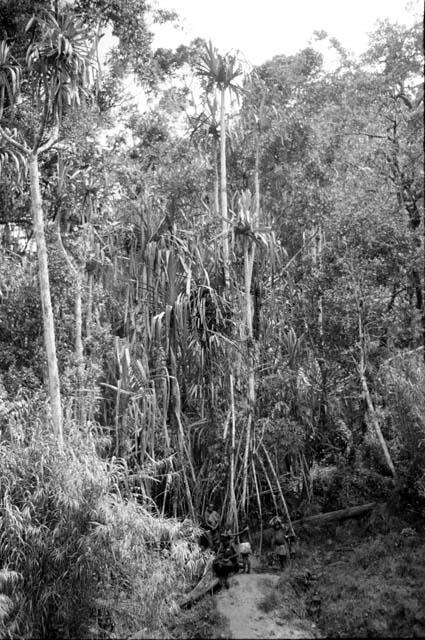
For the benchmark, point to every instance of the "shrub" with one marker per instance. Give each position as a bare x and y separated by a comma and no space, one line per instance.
372,588
148,561
403,390
8,581
348,486
77,548
48,499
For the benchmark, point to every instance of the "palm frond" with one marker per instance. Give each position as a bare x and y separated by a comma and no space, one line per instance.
218,69
61,61
10,155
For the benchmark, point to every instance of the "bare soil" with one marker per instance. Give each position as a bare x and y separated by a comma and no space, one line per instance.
250,609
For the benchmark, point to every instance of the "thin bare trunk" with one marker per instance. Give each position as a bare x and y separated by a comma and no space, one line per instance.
375,423
117,418
79,353
266,475
257,493
233,515
223,188
216,182
46,302
164,499
245,460
366,393
78,341
89,305
317,249
78,321
318,256
189,496
273,470
257,180
249,254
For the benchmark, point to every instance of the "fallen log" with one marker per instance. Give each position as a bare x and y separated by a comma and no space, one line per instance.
341,514
207,584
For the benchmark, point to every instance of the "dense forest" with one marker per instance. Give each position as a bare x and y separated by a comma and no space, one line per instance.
218,298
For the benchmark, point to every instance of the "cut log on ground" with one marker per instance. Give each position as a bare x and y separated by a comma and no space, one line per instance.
206,585
341,514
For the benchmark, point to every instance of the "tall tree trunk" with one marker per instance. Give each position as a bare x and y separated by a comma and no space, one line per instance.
78,339
317,234
365,389
78,320
79,352
89,305
423,287
249,254
251,354
216,181
318,263
223,188
46,302
233,511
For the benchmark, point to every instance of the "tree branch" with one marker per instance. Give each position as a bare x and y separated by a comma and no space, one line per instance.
68,259
51,142
14,143
309,241
364,133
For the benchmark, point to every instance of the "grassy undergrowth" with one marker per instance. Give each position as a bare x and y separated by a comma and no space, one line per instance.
200,621
362,587
79,556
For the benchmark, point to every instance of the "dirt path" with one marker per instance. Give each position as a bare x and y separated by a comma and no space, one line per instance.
253,610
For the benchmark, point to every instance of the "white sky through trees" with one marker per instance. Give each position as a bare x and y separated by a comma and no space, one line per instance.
261,29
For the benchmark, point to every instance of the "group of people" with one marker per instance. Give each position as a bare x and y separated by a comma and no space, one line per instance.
228,552
231,556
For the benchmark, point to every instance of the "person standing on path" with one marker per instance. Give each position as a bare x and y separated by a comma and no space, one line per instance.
245,548
226,561
280,543
212,521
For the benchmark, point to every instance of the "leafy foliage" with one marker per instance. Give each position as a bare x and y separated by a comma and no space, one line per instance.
78,547
241,352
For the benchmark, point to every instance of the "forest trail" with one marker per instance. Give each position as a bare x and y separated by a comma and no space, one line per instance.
241,606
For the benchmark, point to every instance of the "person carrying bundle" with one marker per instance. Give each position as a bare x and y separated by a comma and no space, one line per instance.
245,548
226,561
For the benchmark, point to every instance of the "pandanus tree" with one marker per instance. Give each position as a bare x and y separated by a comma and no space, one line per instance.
220,72
58,68
206,125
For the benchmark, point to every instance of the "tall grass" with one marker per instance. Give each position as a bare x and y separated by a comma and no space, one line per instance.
78,559
376,590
